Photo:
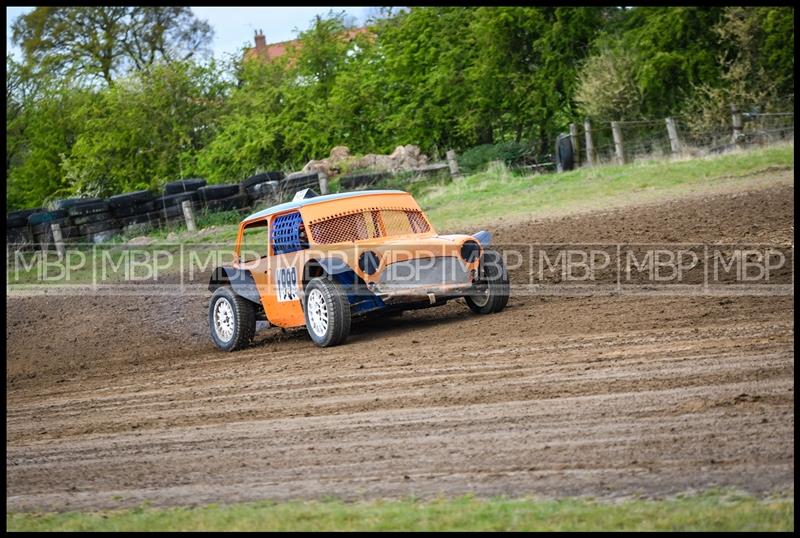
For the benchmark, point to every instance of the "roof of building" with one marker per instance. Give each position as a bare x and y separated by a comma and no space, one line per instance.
315,200
270,51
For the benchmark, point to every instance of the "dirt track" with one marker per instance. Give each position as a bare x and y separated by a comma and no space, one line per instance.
116,400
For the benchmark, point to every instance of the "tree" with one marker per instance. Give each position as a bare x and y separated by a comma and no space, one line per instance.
104,41
39,135
675,50
147,129
607,88
502,73
757,62
250,135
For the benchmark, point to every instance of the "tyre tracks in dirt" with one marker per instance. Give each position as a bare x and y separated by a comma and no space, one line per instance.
607,395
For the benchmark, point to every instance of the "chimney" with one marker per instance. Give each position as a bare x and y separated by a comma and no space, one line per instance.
261,41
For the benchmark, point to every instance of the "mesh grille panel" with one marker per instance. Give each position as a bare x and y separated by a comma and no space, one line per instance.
285,233
368,224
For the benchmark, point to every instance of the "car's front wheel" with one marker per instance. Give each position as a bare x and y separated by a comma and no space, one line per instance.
231,319
327,312
490,293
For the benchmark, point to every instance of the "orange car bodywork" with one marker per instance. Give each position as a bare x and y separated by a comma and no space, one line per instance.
282,299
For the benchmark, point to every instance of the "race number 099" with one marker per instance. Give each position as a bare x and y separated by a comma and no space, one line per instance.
287,284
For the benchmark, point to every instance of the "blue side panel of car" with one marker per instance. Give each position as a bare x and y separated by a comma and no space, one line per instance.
285,233
362,301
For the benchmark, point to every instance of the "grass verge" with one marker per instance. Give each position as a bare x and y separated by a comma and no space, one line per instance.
711,511
498,193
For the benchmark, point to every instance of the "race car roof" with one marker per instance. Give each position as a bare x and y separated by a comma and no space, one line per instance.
315,200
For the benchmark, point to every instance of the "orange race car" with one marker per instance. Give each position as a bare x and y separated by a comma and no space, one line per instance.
318,261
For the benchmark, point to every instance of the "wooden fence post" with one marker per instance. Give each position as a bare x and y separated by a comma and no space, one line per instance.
323,182
58,239
188,215
587,127
576,146
453,164
674,141
737,125
618,147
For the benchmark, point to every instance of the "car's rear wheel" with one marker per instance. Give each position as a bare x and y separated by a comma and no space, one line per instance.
231,319
490,293
327,312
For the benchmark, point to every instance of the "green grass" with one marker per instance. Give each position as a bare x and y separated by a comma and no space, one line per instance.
472,202
713,511
499,193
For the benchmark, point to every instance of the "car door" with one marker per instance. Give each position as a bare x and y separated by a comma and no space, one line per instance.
284,271
254,255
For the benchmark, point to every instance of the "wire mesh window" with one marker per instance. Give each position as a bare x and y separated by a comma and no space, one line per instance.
368,224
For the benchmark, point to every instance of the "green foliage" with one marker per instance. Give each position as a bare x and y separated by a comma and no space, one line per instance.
607,88
146,130
757,66
40,131
206,219
99,41
711,511
647,60
510,153
439,77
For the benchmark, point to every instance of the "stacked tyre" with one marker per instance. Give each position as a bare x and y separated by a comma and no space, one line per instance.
91,220
18,235
134,209
169,207
39,225
262,186
184,185
298,181
222,197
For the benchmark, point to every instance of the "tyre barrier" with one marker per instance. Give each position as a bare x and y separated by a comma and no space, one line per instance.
71,233
130,199
184,185
299,181
262,178
70,202
47,217
263,189
170,212
95,219
133,210
19,219
217,192
89,208
19,235
96,227
171,200
236,201
150,219
45,226
92,217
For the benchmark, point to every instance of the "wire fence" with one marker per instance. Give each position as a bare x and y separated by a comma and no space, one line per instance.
596,143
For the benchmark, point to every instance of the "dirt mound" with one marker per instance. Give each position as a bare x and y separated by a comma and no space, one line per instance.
116,400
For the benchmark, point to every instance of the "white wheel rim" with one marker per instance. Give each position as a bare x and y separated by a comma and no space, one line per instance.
223,319
317,313
481,299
